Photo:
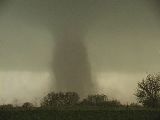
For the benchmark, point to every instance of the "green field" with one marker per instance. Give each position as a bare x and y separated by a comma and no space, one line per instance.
48,114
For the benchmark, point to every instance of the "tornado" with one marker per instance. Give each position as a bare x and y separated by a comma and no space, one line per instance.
71,65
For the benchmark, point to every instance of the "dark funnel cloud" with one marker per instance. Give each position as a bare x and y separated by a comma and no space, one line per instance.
71,65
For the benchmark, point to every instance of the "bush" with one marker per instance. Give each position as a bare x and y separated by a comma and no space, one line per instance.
113,103
27,105
95,100
7,106
60,99
135,105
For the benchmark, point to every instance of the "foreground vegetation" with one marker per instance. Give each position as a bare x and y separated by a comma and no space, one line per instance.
79,114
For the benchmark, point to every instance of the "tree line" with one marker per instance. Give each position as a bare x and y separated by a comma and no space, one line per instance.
147,93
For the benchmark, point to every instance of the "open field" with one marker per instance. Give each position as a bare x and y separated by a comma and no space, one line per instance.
110,114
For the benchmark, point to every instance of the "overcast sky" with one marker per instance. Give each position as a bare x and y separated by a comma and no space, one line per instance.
121,39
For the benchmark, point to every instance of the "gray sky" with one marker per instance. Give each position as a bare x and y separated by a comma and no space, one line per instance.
121,39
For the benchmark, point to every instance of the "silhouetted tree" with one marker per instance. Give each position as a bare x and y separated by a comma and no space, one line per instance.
27,105
135,105
60,99
113,103
148,90
95,99
49,100
7,106
71,98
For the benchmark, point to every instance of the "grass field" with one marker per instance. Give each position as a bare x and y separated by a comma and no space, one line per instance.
48,114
